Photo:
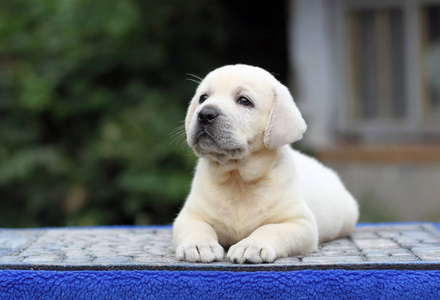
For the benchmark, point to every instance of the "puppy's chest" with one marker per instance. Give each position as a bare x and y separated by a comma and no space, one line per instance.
236,213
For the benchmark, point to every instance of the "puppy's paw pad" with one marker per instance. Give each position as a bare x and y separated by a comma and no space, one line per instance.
250,254
200,252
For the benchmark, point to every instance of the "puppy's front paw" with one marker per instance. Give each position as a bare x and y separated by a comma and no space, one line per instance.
245,252
200,252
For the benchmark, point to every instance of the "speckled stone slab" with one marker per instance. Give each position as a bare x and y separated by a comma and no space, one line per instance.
404,247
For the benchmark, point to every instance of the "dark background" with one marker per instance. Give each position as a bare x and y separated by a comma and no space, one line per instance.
92,94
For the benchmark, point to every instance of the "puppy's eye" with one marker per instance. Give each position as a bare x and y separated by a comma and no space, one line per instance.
203,98
245,101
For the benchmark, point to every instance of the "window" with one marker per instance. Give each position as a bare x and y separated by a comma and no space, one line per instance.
377,64
392,53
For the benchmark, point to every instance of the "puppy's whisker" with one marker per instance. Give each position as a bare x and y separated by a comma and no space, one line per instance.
178,136
195,76
193,80
179,143
178,130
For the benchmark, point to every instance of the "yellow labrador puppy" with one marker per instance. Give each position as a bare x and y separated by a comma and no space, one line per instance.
252,193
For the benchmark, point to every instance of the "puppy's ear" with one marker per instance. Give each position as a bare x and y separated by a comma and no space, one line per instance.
189,114
286,124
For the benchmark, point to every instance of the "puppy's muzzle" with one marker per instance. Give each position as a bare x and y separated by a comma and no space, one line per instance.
207,115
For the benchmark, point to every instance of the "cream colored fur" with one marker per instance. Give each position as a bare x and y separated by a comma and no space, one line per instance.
252,194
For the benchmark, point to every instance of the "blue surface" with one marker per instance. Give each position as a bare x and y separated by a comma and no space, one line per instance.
330,284
307,284
361,224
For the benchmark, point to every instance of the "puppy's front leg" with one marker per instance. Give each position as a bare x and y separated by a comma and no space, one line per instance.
272,241
196,240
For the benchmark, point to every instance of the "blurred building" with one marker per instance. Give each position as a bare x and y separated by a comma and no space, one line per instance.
367,79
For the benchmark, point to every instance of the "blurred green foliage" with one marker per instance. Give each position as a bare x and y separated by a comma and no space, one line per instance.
90,92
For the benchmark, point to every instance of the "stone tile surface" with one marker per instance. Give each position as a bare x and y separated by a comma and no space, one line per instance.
393,246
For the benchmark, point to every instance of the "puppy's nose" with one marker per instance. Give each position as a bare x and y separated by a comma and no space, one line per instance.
207,115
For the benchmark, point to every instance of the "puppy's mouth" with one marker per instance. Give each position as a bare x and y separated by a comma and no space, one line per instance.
204,134
208,145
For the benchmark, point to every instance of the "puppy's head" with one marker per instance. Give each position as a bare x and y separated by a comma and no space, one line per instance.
240,109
